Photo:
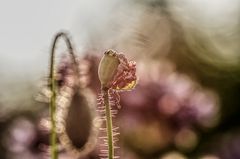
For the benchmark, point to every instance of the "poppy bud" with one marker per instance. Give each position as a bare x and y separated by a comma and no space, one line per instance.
108,67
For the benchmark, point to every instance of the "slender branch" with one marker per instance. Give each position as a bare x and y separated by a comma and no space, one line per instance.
53,86
108,123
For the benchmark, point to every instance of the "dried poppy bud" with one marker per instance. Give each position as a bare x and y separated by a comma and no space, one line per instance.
108,67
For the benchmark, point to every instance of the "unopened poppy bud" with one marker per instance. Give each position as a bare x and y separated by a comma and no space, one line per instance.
108,67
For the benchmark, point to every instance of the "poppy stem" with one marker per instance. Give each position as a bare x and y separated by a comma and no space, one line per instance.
53,87
108,123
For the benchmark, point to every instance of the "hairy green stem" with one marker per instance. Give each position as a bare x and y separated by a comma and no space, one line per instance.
53,87
108,123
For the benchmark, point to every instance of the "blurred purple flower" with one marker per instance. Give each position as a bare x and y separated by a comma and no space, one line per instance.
20,140
172,99
175,96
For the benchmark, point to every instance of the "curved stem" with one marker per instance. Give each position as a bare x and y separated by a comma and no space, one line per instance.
53,86
108,123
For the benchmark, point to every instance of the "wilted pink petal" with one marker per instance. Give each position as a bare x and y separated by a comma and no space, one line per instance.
126,74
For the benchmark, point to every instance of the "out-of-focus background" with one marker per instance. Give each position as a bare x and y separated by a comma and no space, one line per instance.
186,103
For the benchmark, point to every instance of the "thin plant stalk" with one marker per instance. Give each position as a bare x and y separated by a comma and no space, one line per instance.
53,87
108,123
115,73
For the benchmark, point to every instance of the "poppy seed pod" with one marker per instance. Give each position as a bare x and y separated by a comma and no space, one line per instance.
108,67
